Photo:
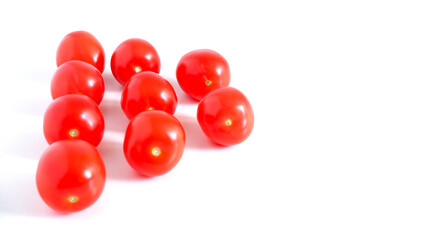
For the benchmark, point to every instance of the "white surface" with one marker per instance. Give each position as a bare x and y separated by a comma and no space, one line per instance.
345,143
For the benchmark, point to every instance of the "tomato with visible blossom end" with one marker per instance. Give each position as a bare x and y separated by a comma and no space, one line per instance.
148,91
78,77
202,71
70,175
73,116
82,46
154,143
226,116
133,56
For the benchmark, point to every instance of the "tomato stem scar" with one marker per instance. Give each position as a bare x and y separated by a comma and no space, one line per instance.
156,151
74,133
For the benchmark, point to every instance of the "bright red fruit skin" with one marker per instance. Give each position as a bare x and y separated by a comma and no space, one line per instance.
133,56
226,116
78,77
82,46
73,116
148,91
154,143
70,175
202,71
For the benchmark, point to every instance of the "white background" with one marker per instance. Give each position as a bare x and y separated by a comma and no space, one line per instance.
345,143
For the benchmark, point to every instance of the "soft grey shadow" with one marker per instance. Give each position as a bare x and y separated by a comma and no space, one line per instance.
25,144
182,97
115,119
116,165
111,84
195,138
20,196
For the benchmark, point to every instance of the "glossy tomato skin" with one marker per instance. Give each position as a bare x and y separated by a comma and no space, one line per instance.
133,56
73,116
202,71
226,116
148,91
78,77
70,175
154,142
82,46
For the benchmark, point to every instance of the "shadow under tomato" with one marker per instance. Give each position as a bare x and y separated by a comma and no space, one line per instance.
111,84
20,196
117,167
115,119
195,138
182,97
29,144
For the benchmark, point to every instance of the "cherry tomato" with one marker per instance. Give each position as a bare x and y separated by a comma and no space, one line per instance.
154,142
226,116
148,91
70,175
133,56
202,71
78,77
73,116
83,46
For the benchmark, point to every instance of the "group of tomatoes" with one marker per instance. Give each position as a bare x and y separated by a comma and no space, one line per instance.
71,173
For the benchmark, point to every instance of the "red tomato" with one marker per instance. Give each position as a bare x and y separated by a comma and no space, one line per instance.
148,91
202,71
154,142
73,116
226,116
78,77
83,46
70,175
133,56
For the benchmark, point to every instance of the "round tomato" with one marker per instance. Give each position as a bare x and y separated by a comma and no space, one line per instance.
226,116
154,142
83,46
133,56
70,175
73,116
202,71
148,91
78,77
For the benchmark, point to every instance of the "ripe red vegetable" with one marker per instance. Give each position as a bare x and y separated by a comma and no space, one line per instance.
148,91
202,71
78,77
133,56
70,175
73,116
226,116
154,143
83,46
